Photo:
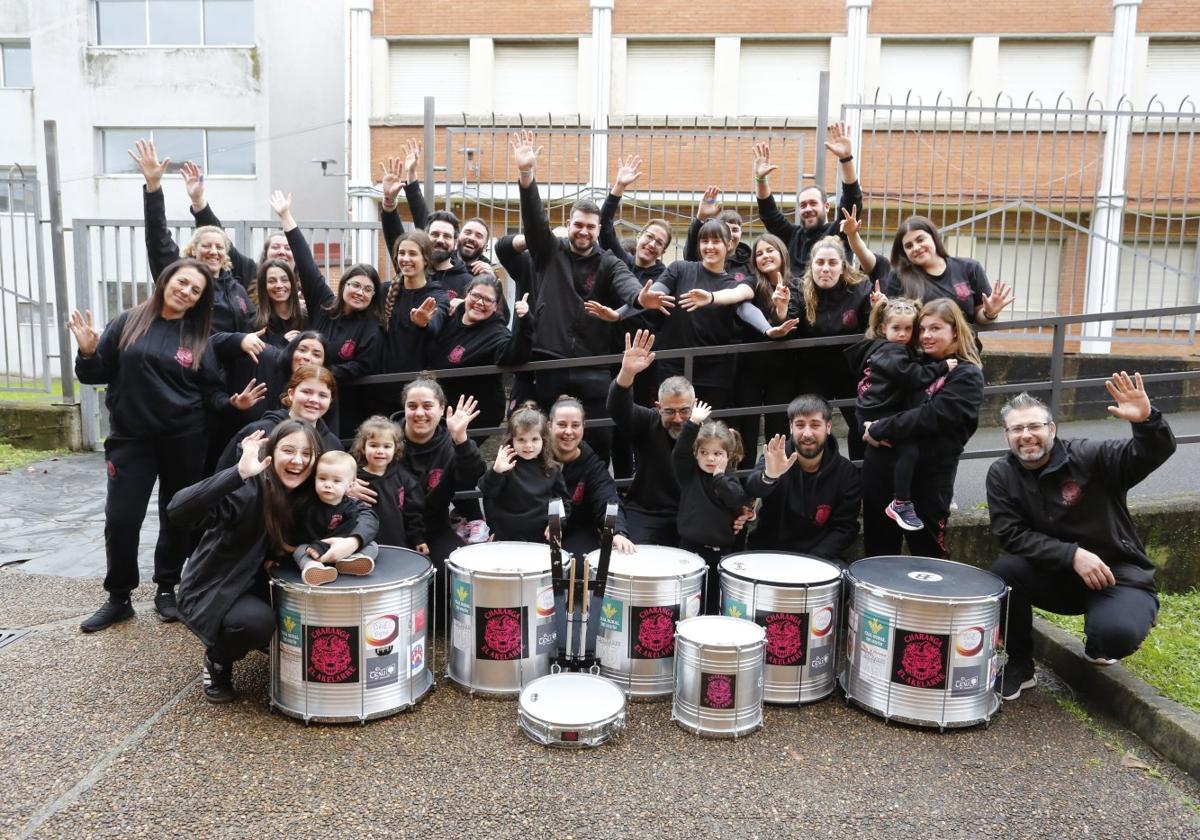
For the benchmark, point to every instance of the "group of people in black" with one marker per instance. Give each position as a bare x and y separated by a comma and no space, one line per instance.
237,375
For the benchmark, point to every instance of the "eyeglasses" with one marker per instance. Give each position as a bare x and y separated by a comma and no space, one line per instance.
676,412
1032,428
288,453
362,288
478,298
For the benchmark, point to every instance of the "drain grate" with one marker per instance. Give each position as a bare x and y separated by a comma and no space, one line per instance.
7,637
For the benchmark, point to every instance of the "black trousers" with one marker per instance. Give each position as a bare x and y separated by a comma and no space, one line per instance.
133,466
932,492
762,379
248,625
1116,619
590,387
652,528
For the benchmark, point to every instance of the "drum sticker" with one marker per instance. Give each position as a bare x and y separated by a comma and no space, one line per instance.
381,630
875,630
545,638
462,598
967,681
692,607
652,632
969,643
383,670
822,622
418,621
612,612
416,656
291,669
735,608
290,632
608,650
545,602
919,659
872,662
717,691
460,636
787,634
501,633
331,654
820,660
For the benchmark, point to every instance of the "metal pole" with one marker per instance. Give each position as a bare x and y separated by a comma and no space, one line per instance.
822,129
857,13
58,253
361,189
602,11
430,147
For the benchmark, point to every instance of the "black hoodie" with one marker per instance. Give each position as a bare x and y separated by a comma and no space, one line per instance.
442,468
654,489
400,505
800,241
516,502
590,487
890,372
943,421
707,503
268,422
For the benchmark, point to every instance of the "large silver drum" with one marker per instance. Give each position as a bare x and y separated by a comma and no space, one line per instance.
796,600
647,594
719,676
571,710
921,640
501,610
356,648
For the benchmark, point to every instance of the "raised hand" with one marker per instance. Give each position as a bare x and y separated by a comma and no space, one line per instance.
850,226
700,412
710,204
524,152
146,157
782,330
628,171
253,393
252,344
521,307
281,202
85,332
877,294
781,298
1133,403
249,464
1002,295
193,181
458,419
838,140
412,157
639,352
650,298
598,310
776,461
762,161
506,459
391,180
423,314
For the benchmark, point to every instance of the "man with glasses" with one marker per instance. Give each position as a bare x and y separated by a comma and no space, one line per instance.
1058,509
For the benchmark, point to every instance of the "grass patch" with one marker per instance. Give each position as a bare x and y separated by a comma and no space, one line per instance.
1169,659
13,458
54,395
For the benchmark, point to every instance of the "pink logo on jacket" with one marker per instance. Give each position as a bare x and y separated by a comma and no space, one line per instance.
822,514
335,521
456,355
849,319
184,356
963,291
347,349
434,478
1071,493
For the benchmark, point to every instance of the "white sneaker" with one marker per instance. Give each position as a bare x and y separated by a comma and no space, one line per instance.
477,531
315,573
1099,661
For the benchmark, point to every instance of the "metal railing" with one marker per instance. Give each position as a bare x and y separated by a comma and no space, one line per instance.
26,343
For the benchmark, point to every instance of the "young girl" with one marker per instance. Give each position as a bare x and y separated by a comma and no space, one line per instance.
518,488
710,495
891,373
379,450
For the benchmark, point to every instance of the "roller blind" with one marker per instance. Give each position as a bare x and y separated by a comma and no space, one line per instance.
1045,69
418,69
926,68
669,77
1173,72
780,78
536,78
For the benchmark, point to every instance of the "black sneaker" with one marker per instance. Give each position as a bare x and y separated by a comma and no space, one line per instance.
1017,676
165,606
904,514
111,613
218,682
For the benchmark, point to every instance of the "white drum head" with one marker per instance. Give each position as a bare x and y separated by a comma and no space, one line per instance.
503,558
650,562
720,631
780,568
572,700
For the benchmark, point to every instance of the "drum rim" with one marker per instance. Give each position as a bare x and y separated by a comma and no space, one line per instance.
785,584
679,634
854,579
592,558
618,696
307,588
475,548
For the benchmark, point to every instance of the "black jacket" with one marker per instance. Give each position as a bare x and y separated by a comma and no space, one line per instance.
707,503
964,281
889,373
1078,500
400,506
321,521
942,422
654,488
590,487
739,264
800,241
230,556
842,310
516,502
442,468
267,423
808,513
709,326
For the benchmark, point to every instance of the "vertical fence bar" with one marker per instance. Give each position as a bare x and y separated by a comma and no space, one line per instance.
822,130
1057,363
429,140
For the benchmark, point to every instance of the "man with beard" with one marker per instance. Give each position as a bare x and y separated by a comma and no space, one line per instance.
811,202
652,501
810,493
1059,510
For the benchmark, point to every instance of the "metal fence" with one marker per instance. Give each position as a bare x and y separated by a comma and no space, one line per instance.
26,313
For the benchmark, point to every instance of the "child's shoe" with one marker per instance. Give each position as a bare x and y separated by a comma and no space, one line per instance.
356,564
315,573
904,514
477,531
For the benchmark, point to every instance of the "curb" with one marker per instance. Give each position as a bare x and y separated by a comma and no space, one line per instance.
1170,728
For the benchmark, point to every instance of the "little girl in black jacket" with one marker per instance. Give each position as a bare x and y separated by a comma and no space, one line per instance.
518,488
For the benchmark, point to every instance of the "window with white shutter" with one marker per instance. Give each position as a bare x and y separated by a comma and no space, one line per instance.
1173,72
669,77
440,69
1044,69
780,78
536,78
926,68
1147,285
1029,264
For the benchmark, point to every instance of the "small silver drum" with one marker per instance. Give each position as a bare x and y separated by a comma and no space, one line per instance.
501,610
356,648
921,640
719,676
796,599
647,594
571,710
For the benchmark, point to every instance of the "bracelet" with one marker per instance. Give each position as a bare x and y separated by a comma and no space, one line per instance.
712,298
528,171
710,201
762,179
766,479
846,159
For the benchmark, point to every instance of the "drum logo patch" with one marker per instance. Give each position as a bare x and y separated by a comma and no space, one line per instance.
382,629
462,598
289,628
969,642
822,621
786,635
919,659
734,608
331,654
611,612
383,670
875,630
501,633
653,632
717,691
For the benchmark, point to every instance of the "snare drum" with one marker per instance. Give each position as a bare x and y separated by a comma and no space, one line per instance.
719,676
647,594
921,640
356,648
571,710
502,633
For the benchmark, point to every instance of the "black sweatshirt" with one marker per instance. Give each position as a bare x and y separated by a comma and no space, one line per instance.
323,521
591,488
245,269
807,513
610,242
964,281
800,241
564,280
890,372
1079,500
400,505
654,488
405,345
515,503
739,264
152,390
841,310
944,420
489,342
273,369
708,503
519,267
708,326
267,423
442,468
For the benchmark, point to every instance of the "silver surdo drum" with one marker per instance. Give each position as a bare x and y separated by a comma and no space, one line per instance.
501,610
796,599
571,710
647,594
719,676
921,640
356,648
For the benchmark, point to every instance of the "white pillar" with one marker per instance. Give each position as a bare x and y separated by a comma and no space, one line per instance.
362,202
1108,216
602,11
857,12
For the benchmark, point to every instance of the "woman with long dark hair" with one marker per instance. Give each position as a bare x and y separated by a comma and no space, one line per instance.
278,312
164,387
250,513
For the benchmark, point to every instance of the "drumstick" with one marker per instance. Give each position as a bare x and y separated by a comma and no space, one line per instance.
571,608
585,610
